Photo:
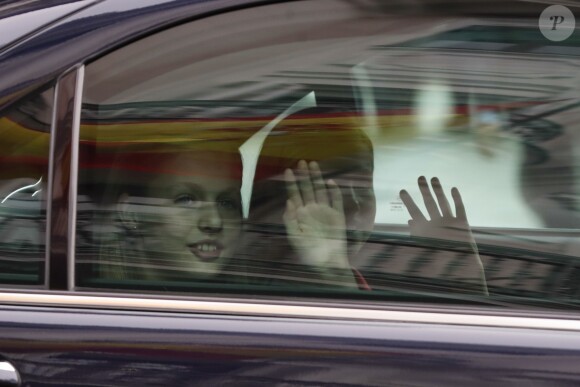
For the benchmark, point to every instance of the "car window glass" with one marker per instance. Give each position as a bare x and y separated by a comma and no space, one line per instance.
323,146
25,132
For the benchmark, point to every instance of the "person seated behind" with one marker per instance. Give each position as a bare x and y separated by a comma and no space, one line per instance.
325,215
328,206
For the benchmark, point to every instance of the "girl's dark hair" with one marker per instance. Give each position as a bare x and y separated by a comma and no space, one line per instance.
334,141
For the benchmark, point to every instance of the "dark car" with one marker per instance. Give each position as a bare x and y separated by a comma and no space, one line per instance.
259,193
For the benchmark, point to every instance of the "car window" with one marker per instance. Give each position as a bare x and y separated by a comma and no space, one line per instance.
323,146
24,148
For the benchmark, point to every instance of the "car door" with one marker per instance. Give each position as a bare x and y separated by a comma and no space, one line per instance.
96,291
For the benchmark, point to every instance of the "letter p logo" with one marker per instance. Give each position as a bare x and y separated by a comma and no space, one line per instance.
557,20
557,23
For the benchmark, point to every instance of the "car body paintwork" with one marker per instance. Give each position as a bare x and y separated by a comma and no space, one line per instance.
95,347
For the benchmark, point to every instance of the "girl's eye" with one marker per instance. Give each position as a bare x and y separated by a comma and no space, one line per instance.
187,200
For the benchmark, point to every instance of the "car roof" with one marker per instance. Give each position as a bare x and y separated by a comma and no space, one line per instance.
21,19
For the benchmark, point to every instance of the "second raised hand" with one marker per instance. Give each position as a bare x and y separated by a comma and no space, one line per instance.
314,218
442,224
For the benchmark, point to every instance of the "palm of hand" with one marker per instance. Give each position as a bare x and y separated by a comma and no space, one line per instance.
317,232
443,225
445,228
315,220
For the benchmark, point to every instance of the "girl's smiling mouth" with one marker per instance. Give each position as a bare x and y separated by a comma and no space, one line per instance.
207,250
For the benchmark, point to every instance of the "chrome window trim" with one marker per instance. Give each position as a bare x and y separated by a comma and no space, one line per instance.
74,176
48,197
280,310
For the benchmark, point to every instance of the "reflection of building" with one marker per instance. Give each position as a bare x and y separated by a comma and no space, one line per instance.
425,97
523,264
25,133
22,240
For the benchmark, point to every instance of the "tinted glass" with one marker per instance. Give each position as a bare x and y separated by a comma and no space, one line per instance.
25,132
320,146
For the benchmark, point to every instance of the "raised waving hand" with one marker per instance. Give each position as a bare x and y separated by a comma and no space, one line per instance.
442,223
315,221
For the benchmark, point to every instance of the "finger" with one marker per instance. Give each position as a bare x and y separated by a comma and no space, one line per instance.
292,188
290,213
408,201
319,186
441,198
430,204
305,183
459,207
336,196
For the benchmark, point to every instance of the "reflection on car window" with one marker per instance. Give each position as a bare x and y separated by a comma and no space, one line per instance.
430,158
25,130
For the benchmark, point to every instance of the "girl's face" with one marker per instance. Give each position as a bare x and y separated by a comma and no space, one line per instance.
194,225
